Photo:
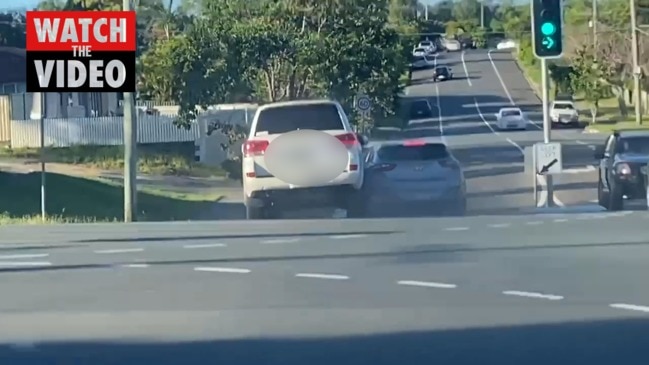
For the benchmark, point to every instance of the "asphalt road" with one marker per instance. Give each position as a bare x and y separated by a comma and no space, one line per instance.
493,160
564,287
530,288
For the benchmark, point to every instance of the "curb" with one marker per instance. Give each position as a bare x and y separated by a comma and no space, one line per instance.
533,85
590,130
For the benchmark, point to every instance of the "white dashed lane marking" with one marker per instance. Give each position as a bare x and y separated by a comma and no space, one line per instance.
120,250
283,240
322,276
205,245
499,225
631,307
427,284
24,256
137,266
457,229
230,270
534,295
346,236
534,223
560,220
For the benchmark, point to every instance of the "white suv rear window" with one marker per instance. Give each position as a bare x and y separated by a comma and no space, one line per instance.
564,106
284,119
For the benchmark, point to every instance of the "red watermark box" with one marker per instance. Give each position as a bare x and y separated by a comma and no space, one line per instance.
81,51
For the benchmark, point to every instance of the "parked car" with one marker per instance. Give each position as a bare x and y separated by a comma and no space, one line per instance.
422,63
563,112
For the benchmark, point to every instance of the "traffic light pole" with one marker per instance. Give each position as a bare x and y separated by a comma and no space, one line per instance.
546,126
547,39
130,150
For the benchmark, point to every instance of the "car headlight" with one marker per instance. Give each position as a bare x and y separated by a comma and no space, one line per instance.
623,169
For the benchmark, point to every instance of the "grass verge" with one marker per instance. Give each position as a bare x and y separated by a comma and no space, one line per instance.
153,159
72,199
609,115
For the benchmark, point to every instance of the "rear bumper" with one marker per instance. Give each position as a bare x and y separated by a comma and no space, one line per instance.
258,184
302,198
565,120
632,186
513,125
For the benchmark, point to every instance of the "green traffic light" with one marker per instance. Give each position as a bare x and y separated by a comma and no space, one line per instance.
548,29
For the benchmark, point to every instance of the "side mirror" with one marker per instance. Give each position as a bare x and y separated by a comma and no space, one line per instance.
599,153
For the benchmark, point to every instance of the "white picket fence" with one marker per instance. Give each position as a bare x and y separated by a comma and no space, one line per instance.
109,131
103,131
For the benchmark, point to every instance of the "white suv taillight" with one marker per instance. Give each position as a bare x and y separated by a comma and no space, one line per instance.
348,139
254,148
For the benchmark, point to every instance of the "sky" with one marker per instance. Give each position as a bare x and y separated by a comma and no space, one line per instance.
18,4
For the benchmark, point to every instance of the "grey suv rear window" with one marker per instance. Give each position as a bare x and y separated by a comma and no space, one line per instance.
431,151
284,119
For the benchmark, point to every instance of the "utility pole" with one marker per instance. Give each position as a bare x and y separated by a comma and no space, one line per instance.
482,14
43,101
636,67
594,25
130,150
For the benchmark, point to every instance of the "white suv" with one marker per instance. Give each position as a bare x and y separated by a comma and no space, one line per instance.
265,195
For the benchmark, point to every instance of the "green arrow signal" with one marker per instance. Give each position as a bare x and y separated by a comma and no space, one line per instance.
548,42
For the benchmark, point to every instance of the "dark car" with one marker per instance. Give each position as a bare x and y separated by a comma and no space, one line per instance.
622,168
442,73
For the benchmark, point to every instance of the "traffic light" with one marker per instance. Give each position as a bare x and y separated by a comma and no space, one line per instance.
547,24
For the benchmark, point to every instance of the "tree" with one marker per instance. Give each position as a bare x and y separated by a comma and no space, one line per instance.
289,50
12,30
589,76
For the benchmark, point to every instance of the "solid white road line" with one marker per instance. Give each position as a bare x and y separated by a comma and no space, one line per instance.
24,263
631,307
466,71
428,284
205,245
281,240
25,256
346,236
457,229
532,295
543,194
230,270
120,250
322,276
502,83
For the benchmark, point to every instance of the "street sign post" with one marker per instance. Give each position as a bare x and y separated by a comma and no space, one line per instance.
363,105
547,42
548,158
